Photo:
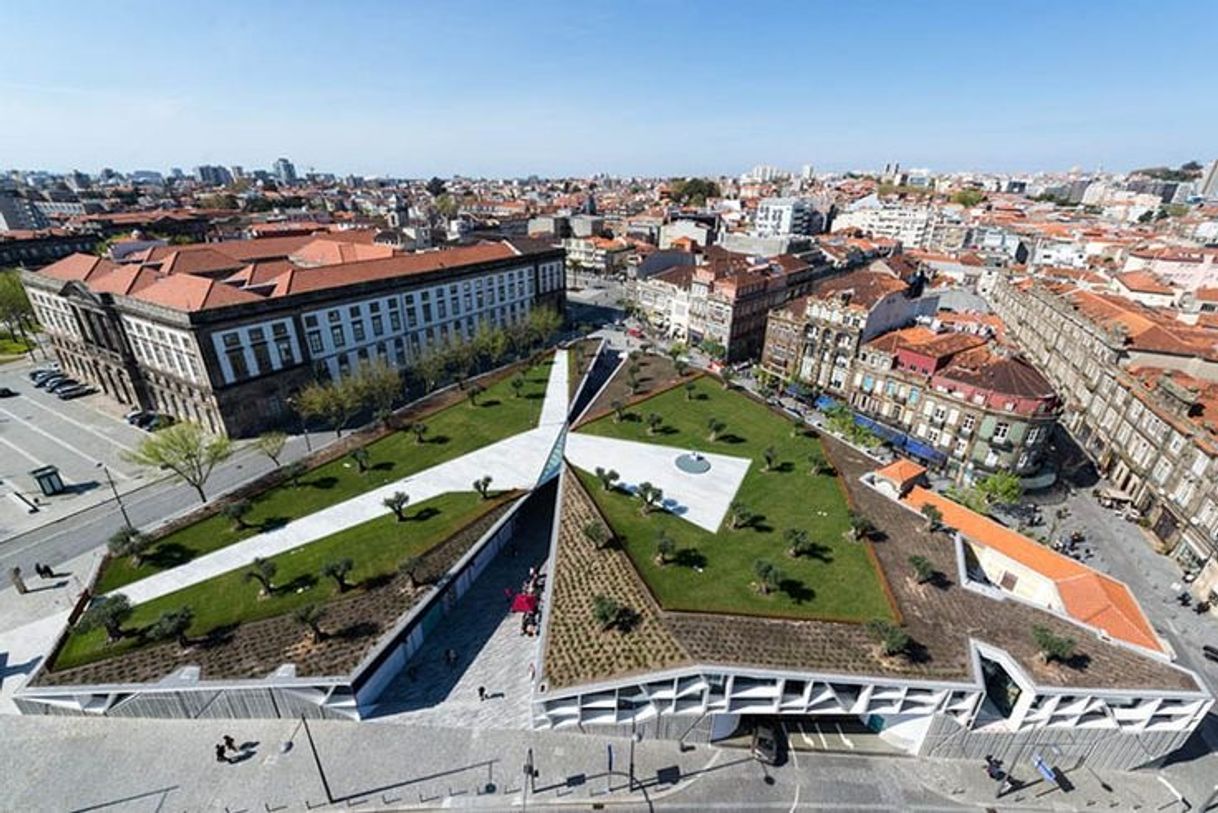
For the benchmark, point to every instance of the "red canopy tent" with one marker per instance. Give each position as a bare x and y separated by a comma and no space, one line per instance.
524,603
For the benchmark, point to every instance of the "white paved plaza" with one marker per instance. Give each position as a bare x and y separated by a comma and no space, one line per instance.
702,499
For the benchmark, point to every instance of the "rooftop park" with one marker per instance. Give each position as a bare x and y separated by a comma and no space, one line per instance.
484,416
789,545
406,540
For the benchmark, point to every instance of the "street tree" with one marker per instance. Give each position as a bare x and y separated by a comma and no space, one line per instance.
607,477
1000,488
292,472
483,486
649,496
271,444
361,457
237,510
334,402
186,450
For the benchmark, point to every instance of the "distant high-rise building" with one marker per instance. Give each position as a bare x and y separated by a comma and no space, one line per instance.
237,171
806,172
285,172
212,175
177,173
1209,180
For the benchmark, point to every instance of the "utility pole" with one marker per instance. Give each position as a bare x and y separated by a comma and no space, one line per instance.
114,490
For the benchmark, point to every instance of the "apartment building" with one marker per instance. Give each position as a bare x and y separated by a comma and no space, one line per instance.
911,225
598,254
1140,393
225,333
815,338
780,216
949,396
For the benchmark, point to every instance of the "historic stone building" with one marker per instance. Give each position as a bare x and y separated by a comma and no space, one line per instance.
224,333
1140,393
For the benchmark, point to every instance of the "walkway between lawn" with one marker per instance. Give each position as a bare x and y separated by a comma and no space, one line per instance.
512,463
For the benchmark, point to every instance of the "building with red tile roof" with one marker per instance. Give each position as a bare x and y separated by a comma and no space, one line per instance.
223,333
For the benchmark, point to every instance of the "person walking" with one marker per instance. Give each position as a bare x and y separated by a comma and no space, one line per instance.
221,756
481,693
230,744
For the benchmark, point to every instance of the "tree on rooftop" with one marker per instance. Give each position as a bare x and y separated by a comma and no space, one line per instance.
619,410
607,477
817,464
607,611
396,502
292,472
410,567
799,543
933,517
654,422
262,571
689,390
339,569
109,612
676,350
237,510
271,444
483,486
473,392
650,497
360,455
860,526
131,543
172,625
770,455
517,385
311,616
665,548
1053,647
681,366
596,533
715,427
632,380
968,198
186,450
739,515
769,577
892,639
924,571
728,375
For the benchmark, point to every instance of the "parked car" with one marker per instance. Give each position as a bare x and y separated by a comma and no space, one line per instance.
160,422
134,415
1210,652
49,381
68,393
5,392
41,373
62,384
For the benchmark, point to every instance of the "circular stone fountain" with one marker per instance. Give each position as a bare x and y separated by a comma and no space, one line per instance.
693,463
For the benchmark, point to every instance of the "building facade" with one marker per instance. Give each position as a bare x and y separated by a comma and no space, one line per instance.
224,334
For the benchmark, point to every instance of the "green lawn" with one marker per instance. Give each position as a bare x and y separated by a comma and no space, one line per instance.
375,547
840,582
457,430
13,347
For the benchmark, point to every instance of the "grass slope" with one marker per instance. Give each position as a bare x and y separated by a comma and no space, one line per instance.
452,432
375,547
840,582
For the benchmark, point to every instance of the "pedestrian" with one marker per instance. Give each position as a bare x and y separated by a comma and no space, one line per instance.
39,570
532,670
481,693
221,756
450,657
230,744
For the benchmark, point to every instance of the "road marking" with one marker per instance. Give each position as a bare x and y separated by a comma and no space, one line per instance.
845,739
794,764
79,424
803,732
824,744
20,451
38,430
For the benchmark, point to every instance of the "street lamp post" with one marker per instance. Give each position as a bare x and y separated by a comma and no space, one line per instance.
114,490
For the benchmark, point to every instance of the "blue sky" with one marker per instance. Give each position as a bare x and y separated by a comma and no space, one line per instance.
516,87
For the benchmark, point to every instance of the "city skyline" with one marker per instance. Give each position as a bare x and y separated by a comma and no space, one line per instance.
561,91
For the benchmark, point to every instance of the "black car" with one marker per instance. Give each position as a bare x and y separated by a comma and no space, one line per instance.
68,393
49,380
63,384
5,392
